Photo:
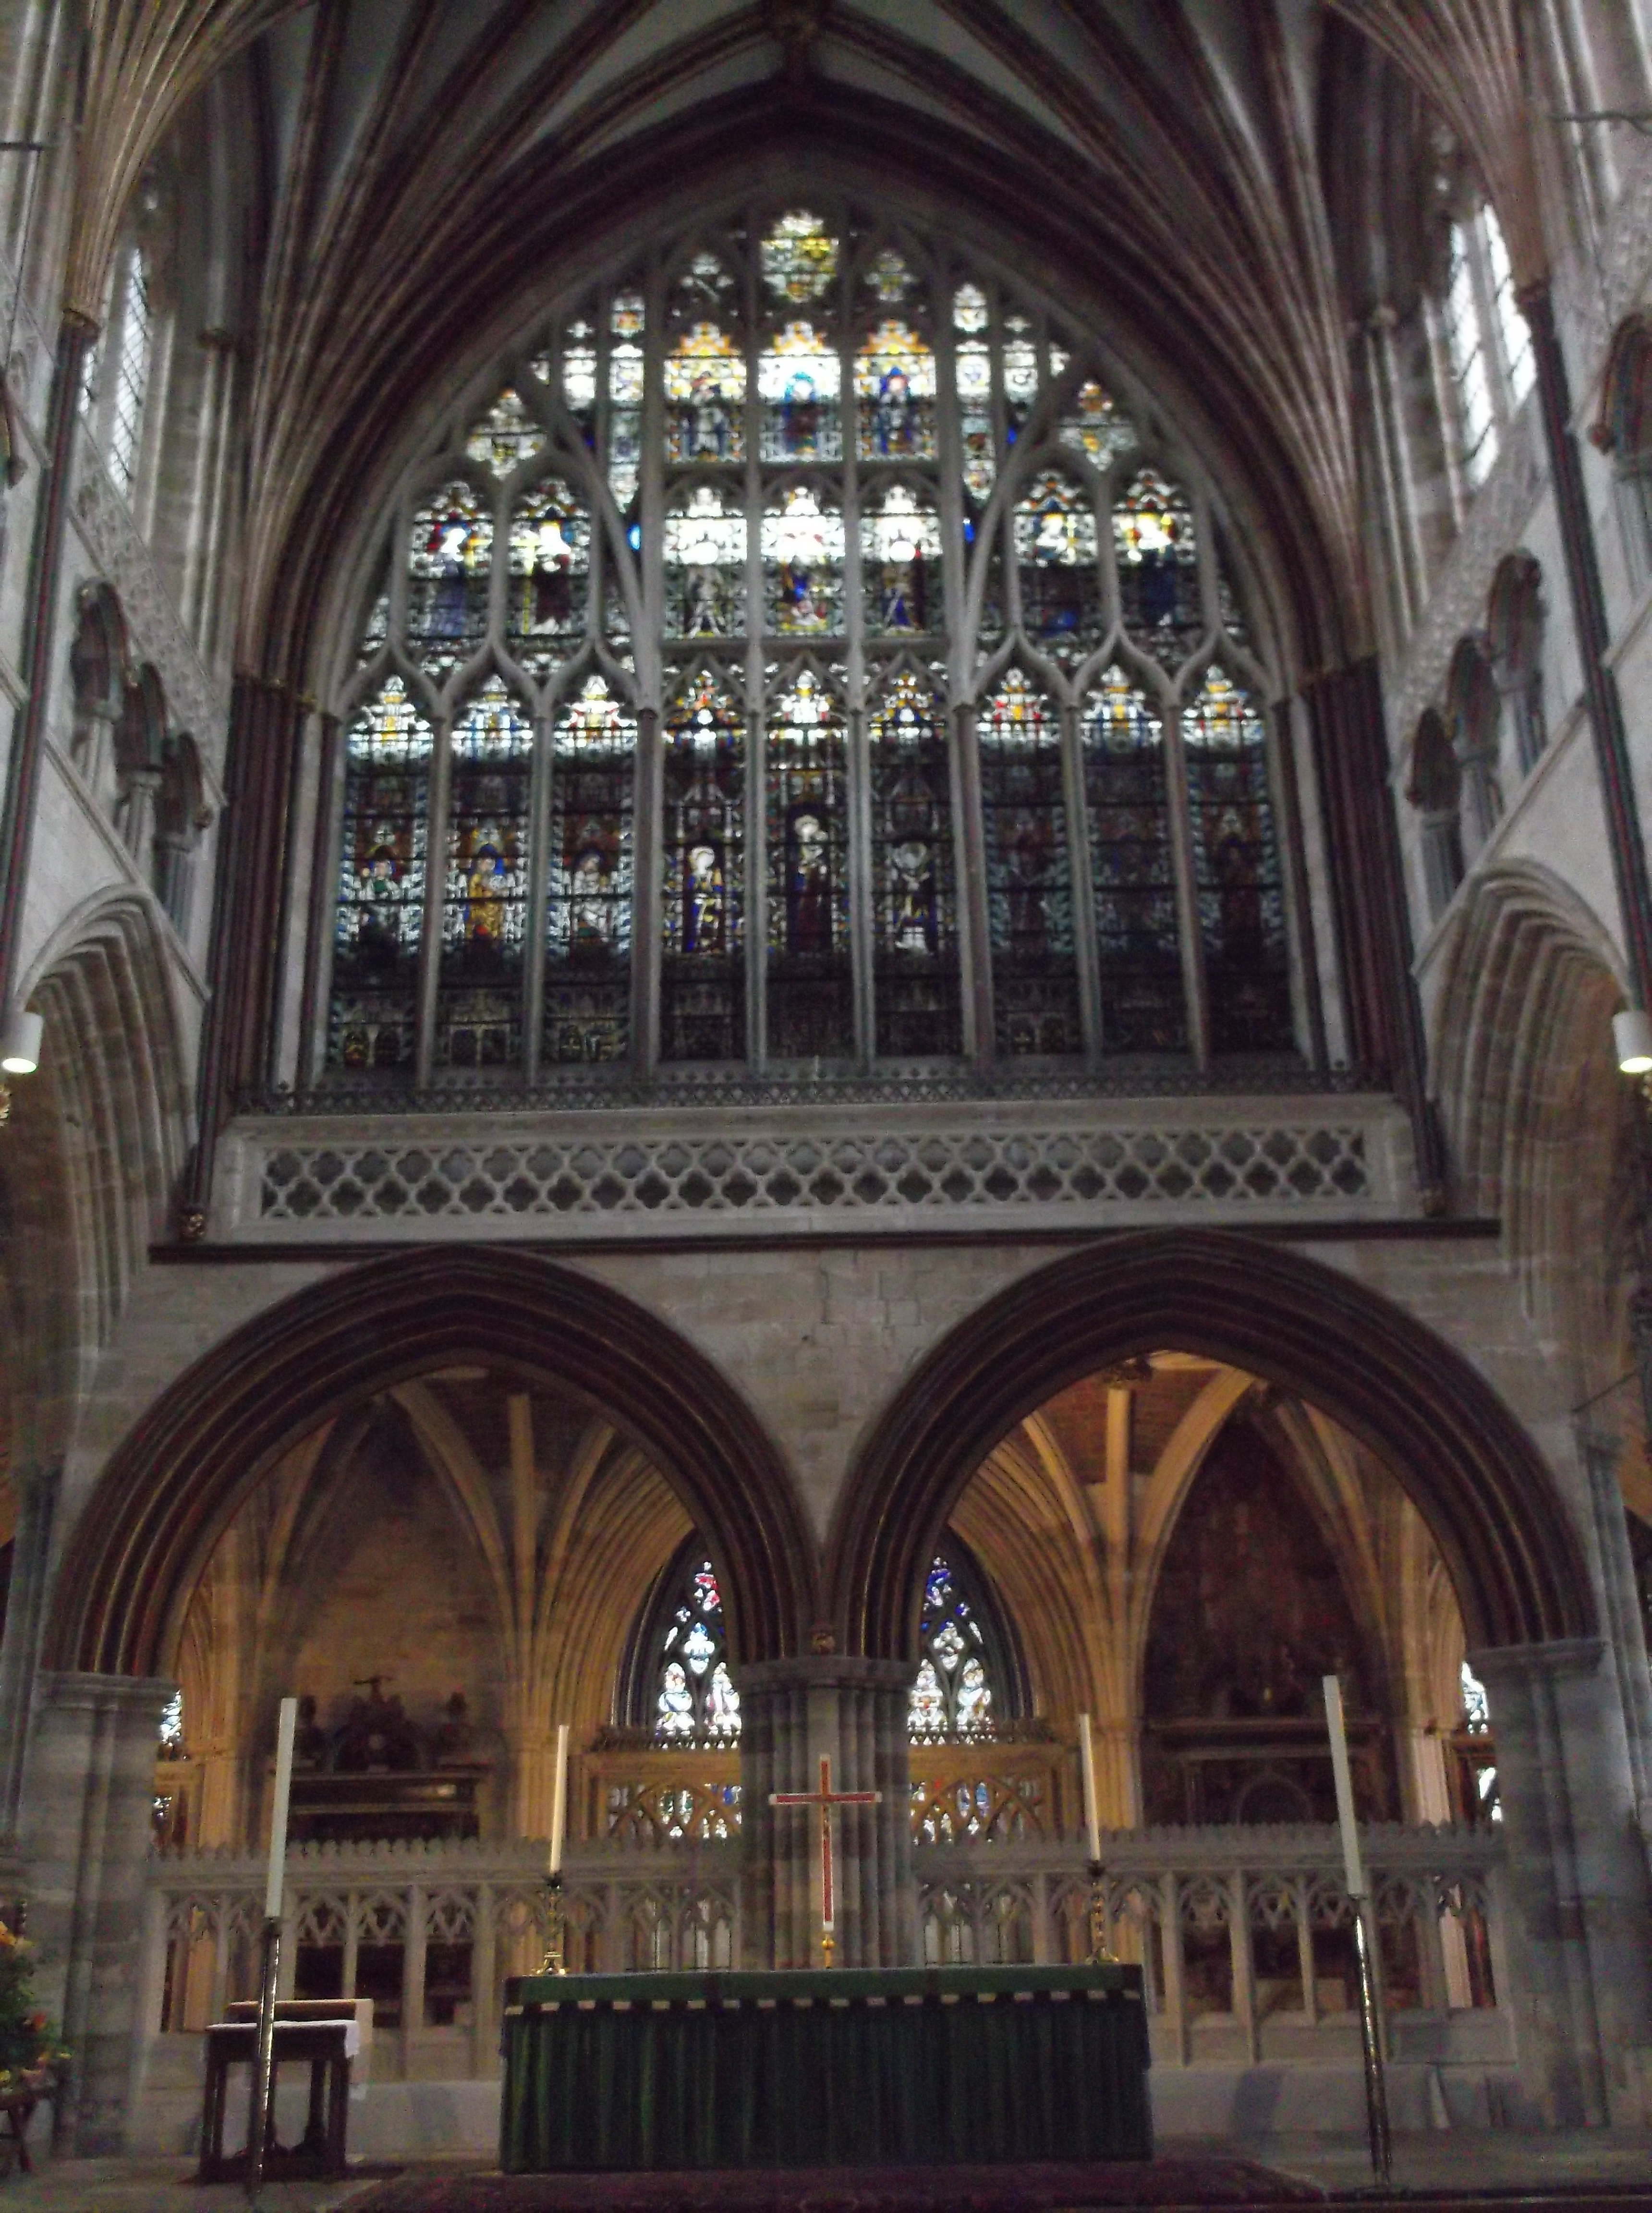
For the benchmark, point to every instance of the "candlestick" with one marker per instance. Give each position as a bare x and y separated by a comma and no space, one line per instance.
1087,1770
559,1799
1353,1865
1371,2003
284,1784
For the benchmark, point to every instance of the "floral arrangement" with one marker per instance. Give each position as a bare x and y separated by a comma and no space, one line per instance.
28,2048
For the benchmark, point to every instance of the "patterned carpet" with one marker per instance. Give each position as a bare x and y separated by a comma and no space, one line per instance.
1163,2183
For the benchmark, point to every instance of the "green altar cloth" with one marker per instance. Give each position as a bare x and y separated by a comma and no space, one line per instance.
853,2067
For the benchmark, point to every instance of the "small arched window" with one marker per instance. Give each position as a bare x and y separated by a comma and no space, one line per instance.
1435,791
115,392
1514,622
1486,333
678,1685
1475,717
1624,429
969,1680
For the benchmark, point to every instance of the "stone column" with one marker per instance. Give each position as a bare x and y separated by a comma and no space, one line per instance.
852,1711
1579,1934
37,1500
1620,1609
88,1793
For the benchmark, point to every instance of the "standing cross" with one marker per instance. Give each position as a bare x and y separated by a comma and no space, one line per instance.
825,1798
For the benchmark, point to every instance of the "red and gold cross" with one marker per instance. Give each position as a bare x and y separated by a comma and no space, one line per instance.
825,1798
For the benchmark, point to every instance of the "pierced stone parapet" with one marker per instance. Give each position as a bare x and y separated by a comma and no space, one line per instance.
708,1171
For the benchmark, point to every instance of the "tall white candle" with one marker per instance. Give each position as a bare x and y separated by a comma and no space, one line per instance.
1087,1770
284,1790
1353,1866
559,1799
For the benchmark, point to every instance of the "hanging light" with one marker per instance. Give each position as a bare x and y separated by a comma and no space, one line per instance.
20,1043
1632,1033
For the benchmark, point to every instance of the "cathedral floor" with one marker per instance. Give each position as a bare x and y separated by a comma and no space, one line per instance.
1511,2168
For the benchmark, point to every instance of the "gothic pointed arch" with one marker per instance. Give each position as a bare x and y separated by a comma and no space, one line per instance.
1471,1469
172,1484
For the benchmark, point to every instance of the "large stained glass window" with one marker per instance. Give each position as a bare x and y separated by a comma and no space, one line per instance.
1028,872
703,978
811,1009
1237,864
893,603
484,898
381,914
588,909
915,986
1132,870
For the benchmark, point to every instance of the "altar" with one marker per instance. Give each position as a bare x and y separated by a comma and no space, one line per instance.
841,2067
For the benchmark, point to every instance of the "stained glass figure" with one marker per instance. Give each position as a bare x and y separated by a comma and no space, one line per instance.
505,435
994,622
900,562
587,954
376,628
803,563
1057,566
705,563
915,982
888,276
800,380
382,884
626,373
1236,869
705,287
1158,568
1132,871
579,372
811,1011
799,258
702,982
952,1694
1234,624
705,397
1094,427
549,576
972,371
1020,375
1029,874
485,893
697,1702
894,381
449,554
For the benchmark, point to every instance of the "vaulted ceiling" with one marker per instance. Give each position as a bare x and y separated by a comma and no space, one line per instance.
408,174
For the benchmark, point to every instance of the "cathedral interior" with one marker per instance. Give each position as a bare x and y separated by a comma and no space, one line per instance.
825,932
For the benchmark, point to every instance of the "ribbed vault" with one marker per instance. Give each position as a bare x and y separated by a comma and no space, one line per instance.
413,173
173,1485
1489,1500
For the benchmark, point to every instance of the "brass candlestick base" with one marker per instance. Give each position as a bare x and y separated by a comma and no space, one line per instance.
555,1961
828,1948
1100,1950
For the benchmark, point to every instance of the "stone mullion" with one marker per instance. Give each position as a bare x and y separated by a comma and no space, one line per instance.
975,936
1086,948
856,752
1285,787
647,809
1178,800
539,893
435,886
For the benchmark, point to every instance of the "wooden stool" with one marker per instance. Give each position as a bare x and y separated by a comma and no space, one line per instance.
328,2046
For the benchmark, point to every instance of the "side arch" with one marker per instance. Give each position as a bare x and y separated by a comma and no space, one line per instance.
177,1477
1473,1473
